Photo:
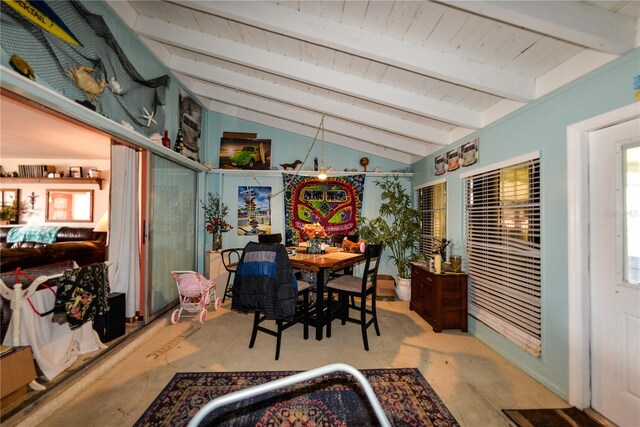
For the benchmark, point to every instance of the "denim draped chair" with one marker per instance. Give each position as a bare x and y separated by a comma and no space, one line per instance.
265,284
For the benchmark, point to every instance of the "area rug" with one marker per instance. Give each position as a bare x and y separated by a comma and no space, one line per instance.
560,417
330,400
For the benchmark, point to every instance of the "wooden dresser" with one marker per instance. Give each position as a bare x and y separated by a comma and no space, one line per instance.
440,299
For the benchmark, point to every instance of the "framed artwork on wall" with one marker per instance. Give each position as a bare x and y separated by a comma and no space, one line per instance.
254,211
453,159
10,205
441,164
245,153
191,125
470,153
69,206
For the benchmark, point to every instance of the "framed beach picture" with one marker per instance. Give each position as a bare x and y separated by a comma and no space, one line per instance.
245,153
254,211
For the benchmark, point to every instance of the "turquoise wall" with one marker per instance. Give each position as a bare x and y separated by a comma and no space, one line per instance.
540,126
286,147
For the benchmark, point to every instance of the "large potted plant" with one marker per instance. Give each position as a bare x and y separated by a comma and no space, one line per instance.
397,227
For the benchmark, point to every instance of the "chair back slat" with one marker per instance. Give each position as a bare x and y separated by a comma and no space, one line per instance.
373,254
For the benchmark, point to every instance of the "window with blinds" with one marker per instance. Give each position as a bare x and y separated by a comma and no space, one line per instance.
502,230
432,207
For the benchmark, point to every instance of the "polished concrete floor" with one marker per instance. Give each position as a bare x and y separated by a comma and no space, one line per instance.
474,382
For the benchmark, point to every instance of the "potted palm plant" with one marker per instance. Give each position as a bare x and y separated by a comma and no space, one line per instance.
397,227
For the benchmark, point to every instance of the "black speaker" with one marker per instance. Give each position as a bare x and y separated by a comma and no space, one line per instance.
111,325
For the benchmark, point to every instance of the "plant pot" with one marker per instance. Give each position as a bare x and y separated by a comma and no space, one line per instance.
403,288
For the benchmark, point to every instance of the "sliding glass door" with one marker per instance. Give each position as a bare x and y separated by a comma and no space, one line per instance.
171,238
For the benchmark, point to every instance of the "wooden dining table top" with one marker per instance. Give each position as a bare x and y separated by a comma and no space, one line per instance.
333,259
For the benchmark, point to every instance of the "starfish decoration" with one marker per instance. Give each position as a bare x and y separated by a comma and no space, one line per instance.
149,116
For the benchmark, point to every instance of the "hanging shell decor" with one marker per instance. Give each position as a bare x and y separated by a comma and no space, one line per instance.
82,77
115,86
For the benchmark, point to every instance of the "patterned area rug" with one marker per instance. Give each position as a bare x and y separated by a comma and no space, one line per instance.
331,400
562,417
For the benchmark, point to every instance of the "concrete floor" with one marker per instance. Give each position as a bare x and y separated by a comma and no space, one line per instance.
474,382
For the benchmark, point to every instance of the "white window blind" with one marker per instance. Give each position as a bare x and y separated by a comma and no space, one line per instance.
432,206
502,229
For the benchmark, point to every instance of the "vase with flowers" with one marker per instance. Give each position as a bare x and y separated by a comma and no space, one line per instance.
215,223
315,234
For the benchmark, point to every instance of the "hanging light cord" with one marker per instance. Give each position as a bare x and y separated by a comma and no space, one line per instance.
296,172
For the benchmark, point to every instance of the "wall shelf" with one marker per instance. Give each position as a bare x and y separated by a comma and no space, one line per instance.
7,180
251,172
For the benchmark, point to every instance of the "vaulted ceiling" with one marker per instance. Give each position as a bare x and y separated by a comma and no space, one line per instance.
397,79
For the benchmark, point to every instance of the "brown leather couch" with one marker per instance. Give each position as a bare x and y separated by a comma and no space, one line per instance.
82,245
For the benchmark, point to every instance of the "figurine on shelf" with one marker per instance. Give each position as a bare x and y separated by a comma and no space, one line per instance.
179,145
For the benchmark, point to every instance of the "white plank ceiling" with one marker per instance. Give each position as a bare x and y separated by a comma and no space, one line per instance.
398,79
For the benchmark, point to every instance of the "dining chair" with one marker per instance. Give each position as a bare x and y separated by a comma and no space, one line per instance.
265,283
349,287
301,316
230,259
270,238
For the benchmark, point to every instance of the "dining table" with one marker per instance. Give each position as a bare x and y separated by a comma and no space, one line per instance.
333,259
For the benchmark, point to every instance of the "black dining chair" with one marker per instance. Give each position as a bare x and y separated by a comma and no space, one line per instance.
349,287
270,238
265,283
230,260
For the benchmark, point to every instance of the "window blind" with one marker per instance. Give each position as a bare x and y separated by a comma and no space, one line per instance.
432,207
502,230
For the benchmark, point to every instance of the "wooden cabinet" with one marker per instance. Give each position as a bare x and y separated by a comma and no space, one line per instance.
440,299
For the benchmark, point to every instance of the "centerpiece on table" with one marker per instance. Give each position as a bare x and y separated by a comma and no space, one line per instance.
215,213
316,235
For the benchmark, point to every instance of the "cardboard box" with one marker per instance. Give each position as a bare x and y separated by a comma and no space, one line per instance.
18,369
386,285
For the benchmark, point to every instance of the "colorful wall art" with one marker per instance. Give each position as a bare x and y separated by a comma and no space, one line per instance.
254,211
335,203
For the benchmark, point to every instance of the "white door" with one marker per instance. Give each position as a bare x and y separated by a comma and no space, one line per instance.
614,188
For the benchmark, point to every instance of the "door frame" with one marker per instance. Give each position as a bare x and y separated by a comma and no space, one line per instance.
579,275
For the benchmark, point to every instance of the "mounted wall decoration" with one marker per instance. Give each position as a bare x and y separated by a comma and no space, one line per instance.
10,205
254,211
245,153
69,206
191,125
470,153
441,164
453,159
80,72
335,203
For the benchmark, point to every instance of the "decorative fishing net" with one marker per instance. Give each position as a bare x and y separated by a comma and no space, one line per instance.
53,59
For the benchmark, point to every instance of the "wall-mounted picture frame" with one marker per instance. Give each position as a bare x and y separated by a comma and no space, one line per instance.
191,124
470,153
10,205
245,153
441,164
75,171
69,206
453,159
254,211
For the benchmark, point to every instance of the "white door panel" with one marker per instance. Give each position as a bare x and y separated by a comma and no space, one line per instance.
615,302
